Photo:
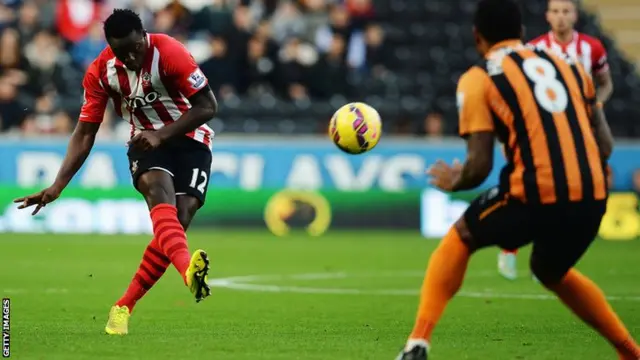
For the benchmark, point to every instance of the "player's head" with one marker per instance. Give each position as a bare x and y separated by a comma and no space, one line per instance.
126,37
562,15
496,21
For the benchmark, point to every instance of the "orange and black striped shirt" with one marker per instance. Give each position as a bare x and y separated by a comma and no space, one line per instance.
538,105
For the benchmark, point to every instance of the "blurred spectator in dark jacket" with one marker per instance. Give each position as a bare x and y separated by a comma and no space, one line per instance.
28,21
376,52
261,73
339,24
296,59
220,69
87,49
215,18
50,73
330,77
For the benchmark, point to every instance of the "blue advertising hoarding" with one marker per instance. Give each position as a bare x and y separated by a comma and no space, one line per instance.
251,164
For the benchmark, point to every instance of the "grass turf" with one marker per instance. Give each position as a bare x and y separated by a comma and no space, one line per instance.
61,288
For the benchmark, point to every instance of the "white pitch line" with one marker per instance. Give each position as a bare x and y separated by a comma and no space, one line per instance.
248,283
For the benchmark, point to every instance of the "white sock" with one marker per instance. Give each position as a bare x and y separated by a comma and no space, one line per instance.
411,343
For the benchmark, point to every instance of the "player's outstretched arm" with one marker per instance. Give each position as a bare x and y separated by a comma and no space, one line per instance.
78,150
602,132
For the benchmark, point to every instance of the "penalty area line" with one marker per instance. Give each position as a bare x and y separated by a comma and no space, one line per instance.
259,283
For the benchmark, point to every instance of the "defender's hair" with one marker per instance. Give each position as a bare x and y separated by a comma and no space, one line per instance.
498,20
121,23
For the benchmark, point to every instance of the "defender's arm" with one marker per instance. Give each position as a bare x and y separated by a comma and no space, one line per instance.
479,161
476,126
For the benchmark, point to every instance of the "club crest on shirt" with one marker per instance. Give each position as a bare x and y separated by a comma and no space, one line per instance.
134,166
146,79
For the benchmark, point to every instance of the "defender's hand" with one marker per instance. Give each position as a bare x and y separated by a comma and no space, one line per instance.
40,199
444,176
145,140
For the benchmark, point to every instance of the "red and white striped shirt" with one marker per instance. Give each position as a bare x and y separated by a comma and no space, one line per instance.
586,49
155,96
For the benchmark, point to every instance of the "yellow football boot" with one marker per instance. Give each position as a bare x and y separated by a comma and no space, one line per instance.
197,275
118,323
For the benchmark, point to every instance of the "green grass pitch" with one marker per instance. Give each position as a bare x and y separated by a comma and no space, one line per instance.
346,295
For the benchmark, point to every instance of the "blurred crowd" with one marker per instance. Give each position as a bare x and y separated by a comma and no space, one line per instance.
293,49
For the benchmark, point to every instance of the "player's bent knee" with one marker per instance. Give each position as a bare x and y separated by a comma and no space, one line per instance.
465,235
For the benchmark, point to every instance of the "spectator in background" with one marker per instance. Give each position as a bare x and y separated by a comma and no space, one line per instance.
264,32
51,74
261,72
75,17
28,21
9,49
84,51
215,18
434,124
315,17
10,112
287,22
332,72
220,69
296,49
361,12
376,53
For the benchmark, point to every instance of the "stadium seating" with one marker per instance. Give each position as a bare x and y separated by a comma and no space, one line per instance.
431,46
427,45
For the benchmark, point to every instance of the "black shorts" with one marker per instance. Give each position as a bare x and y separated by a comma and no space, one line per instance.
560,233
186,160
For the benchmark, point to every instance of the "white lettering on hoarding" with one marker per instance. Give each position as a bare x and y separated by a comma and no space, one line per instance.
438,212
304,173
127,216
99,172
247,171
39,168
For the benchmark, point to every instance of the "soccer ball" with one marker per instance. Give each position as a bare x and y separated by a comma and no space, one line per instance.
355,128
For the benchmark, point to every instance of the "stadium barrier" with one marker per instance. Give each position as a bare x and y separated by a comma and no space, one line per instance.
275,182
438,211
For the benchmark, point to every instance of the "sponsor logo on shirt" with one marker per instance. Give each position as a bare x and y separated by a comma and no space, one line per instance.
197,79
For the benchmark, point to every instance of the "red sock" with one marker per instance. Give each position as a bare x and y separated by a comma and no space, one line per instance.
153,265
514,252
171,237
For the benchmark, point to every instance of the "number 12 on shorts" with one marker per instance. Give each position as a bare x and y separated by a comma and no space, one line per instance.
197,173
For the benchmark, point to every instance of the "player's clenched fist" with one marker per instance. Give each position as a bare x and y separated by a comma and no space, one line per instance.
146,140
40,199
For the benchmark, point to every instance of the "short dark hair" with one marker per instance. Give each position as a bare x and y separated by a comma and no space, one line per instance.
121,23
574,2
498,20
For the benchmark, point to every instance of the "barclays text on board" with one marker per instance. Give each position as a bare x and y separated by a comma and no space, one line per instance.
393,166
